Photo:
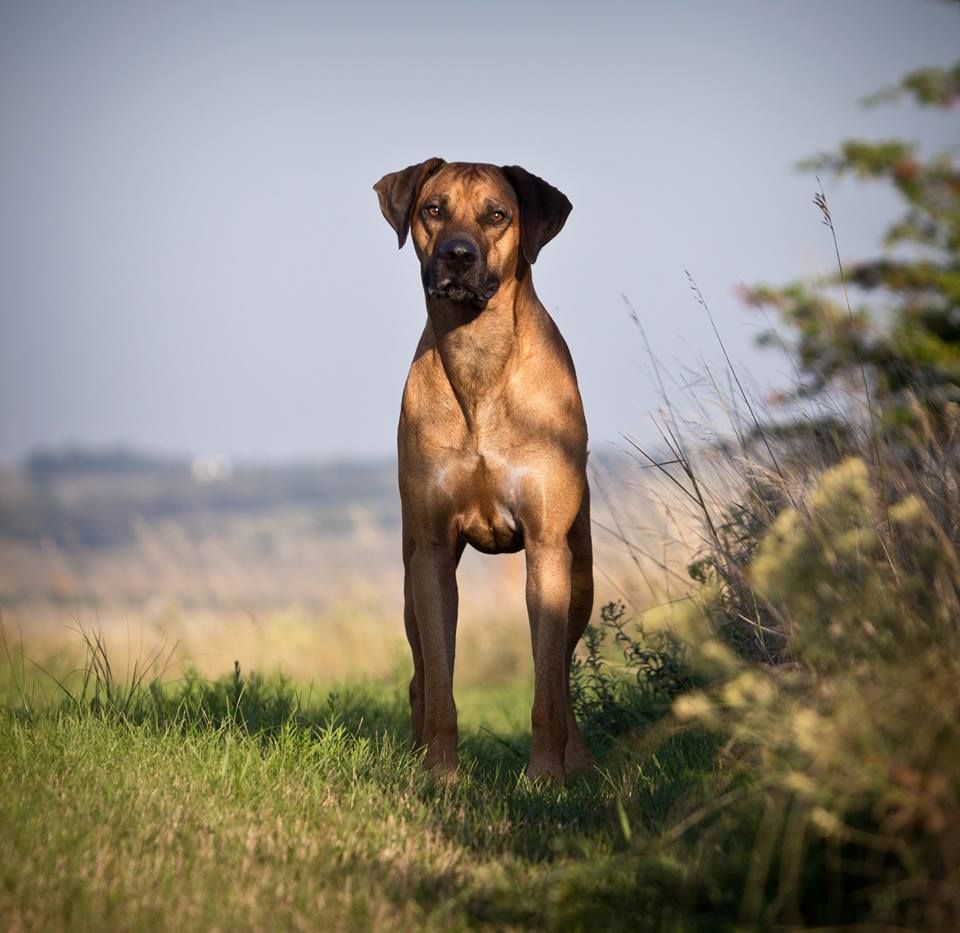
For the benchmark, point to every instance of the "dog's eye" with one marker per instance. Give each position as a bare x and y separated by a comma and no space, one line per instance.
432,210
498,217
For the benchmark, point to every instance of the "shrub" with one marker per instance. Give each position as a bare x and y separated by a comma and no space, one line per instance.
612,696
853,749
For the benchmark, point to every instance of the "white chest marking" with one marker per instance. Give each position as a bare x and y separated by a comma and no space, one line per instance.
441,479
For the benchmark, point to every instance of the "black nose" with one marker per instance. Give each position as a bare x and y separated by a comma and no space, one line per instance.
460,253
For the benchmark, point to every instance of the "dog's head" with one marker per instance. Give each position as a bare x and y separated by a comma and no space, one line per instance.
474,225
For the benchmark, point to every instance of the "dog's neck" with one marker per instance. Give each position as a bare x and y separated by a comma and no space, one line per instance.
474,344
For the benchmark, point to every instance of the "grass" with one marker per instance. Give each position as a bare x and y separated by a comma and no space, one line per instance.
242,804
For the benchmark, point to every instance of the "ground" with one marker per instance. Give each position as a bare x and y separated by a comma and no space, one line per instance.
246,812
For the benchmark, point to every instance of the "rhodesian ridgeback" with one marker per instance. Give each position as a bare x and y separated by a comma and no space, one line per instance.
492,441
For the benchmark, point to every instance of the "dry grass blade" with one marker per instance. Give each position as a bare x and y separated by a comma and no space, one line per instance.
599,486
673,443
820,200
661,466
621,537
756,421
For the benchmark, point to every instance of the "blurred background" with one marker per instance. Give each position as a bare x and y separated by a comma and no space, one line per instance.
205,323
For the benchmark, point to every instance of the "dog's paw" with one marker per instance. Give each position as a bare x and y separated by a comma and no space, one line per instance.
440,762
546,772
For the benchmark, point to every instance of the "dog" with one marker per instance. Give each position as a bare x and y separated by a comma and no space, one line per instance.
492,442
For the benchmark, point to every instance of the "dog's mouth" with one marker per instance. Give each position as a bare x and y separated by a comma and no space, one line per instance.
454,290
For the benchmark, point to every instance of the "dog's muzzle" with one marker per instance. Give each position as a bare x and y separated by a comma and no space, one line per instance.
458,272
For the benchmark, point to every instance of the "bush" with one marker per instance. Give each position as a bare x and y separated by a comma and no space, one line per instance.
612,697
853,749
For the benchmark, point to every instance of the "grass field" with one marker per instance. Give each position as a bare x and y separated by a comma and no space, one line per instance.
250,804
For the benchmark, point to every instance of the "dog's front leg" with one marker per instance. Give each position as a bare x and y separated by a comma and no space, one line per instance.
433,569
548,604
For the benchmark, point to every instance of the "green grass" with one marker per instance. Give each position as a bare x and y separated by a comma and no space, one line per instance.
243,805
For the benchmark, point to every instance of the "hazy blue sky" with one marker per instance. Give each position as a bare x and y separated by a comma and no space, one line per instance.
191,258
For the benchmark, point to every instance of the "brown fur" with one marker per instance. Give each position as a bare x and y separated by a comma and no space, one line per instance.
492,448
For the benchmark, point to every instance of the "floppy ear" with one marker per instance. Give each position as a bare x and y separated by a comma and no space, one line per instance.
543,210
398,191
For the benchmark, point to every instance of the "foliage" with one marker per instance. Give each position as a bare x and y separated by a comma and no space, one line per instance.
902,332
610,698
826,618
854,749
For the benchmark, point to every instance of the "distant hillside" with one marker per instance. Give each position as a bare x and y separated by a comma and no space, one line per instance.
92,498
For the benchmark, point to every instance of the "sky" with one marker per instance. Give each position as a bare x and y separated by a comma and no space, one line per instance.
192,260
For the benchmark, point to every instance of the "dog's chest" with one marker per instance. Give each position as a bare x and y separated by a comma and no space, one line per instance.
483,493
